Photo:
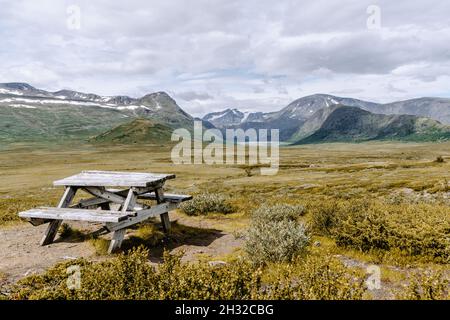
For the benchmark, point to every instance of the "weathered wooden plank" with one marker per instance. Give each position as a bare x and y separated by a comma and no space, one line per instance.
130,201
165,221
171,197
114,179
118,235
53,226
99,201
103,204
116,241
95,201
76,214
143,215
107,195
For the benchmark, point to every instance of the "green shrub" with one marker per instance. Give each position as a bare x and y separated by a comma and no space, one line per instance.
276,241
410,229
205,203
324,218
427,286
275,235
67,232
439,159
132,277
317,278
278,212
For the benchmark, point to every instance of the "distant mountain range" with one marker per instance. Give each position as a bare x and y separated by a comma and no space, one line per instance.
340,123
306,115
303,108
31,114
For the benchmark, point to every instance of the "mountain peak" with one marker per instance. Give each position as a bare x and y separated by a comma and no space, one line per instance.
159,94
350,123
303,108
17,86
227,117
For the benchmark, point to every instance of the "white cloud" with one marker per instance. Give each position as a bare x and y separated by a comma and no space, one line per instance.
255,55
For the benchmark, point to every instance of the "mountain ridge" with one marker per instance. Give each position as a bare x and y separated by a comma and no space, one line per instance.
352,124
28,113
304,107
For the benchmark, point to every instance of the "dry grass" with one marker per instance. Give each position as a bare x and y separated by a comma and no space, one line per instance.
309,175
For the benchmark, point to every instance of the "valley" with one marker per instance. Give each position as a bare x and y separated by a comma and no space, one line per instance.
28,114
404,177
355,189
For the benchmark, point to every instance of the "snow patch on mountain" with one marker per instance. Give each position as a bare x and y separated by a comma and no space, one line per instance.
24,106
13,92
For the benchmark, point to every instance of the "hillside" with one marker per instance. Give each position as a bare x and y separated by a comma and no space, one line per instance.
30,114
137,131
305,115
55,122
351,124
434,108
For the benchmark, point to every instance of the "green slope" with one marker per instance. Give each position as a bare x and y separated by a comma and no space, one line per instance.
55,119
56,122
352,124
137,131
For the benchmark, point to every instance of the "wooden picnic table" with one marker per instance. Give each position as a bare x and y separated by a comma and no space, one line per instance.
132,186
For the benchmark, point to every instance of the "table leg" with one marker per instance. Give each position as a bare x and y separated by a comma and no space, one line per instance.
116,240
165,221
53,226
118,235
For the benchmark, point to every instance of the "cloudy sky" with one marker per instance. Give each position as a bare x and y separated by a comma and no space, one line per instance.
249,54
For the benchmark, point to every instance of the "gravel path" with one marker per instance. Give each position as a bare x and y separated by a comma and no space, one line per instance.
21,254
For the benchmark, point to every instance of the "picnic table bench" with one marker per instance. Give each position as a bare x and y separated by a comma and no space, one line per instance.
98,184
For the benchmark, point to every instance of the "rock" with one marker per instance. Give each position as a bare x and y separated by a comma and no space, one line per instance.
217,263
69,258
309,185
317,243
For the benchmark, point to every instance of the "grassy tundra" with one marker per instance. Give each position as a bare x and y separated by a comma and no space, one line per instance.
310,232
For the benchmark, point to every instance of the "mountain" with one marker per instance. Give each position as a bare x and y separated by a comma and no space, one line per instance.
350,124
305,107
313,124
19,88
287,120
434,108
137,131
226,118
160,106
30,114
296,120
